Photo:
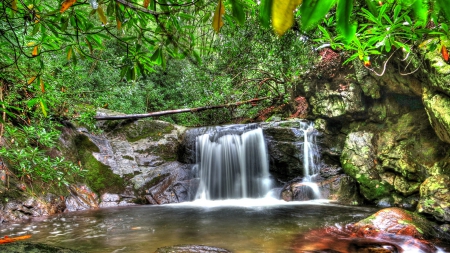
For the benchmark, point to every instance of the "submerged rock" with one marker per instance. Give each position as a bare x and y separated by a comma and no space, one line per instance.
389,230
191,249
26,247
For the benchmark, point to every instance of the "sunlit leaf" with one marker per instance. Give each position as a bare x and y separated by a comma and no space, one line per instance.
43,108
156,57
313,11
420,8
101,15
42,86
66,5
119,24
29,44
217,18
283,14
14,5
265,11
344,25
146,3
31,80
35,51
69,53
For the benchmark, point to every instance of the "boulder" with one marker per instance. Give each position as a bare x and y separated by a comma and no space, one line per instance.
191,249
435,197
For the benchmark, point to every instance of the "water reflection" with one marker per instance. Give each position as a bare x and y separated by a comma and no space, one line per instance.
245,227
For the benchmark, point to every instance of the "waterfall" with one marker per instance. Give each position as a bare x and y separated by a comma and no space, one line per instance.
232,164
311,157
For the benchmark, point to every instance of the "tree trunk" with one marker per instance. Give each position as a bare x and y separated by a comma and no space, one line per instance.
161,113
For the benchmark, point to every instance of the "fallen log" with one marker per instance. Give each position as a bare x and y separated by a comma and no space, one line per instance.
167,112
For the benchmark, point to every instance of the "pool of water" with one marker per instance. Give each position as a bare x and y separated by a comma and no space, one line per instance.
240,226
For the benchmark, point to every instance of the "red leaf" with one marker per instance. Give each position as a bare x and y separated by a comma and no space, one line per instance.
444,53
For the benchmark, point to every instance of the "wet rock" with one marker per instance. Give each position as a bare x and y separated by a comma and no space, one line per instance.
191,249
14,210
81,198
388,230
435,197
401,222
358,161
26,247
344,100
169,184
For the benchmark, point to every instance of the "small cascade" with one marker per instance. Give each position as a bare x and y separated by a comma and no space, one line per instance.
311,157
232,163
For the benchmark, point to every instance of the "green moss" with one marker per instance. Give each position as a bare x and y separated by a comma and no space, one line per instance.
100,177
156,180
146,129
127,157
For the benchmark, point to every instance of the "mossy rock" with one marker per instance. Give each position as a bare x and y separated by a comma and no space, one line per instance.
26,247
146,129
438,108
435,197
98,177
399,221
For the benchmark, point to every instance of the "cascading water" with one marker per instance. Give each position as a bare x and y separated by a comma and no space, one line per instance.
311,157
232,164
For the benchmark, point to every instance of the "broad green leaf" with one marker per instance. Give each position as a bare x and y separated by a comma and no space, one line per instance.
345,27
238,11
283,14
420,8
372,4
265,11
206,17
217,18
313,11
444,8
156,57
32,102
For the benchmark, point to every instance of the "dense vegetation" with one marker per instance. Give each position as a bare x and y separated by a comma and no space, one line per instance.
60,60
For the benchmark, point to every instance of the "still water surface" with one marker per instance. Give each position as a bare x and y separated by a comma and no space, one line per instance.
241,226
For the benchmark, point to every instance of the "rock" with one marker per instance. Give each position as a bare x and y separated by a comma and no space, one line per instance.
81,198
345,100
358,161
26,247
435,197
437,106
388,230
191,249
15,210
400,222
169,184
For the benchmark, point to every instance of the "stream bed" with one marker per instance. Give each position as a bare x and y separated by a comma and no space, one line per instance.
246,225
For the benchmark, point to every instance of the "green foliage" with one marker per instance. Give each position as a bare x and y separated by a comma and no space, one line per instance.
27,151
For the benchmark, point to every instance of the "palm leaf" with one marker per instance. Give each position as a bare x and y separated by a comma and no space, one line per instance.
313,11
344,26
